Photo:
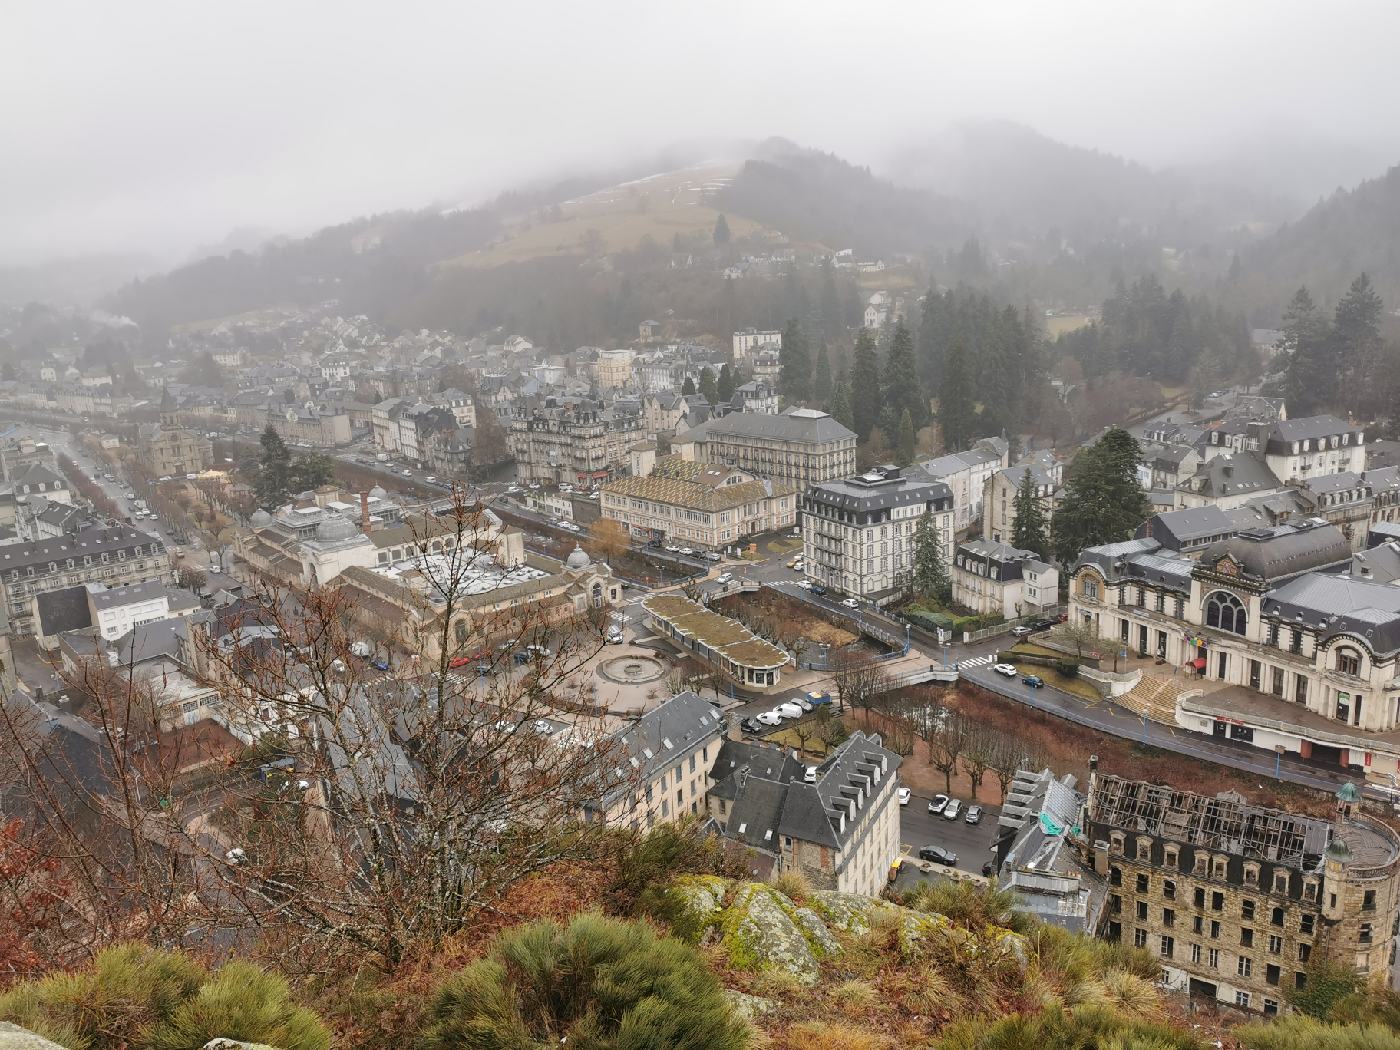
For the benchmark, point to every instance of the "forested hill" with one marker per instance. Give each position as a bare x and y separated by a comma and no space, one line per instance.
819,198
1026,186
1353,231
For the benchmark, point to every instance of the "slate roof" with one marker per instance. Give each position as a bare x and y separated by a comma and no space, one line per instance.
765,810
96,539
799,425
1282,551
1340,605
1291,430
127,595
871,492
1379,564
1232,474
62,610
667,733
1181,528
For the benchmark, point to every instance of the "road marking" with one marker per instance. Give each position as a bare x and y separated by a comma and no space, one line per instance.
978,661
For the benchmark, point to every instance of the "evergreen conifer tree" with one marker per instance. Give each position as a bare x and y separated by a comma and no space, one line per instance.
721,231
840,406
929,577
904,440
1028,533
956,411
274,470
903,391
1103,501
864,391
725,385
709,388
795,377
821,376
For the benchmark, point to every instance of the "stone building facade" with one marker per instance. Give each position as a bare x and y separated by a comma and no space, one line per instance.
1237,901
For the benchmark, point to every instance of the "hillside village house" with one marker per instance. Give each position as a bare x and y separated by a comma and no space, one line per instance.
663,765
858,533
1298,638
751,340
996,579
999,495
801,446
840,829
703,504
966,474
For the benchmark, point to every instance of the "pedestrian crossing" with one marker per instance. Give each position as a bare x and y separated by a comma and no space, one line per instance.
978,661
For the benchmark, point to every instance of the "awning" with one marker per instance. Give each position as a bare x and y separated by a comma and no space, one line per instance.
1199,663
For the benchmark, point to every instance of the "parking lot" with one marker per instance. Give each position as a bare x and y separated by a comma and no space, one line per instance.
971,842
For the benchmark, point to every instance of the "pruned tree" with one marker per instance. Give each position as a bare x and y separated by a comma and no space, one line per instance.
978,753
945,731
859,678
1082,638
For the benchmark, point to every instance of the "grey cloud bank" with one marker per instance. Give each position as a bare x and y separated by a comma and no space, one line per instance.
156,127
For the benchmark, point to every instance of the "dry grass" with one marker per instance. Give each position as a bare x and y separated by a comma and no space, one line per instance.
794,885
660,207
821,1035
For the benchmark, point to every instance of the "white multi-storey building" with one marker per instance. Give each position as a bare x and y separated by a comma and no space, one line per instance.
858,533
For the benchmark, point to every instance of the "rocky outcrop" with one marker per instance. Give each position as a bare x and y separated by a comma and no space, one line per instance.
13,1037
762,928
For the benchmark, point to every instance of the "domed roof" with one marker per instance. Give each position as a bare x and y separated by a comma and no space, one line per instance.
335,528
260,519
378,493
579,559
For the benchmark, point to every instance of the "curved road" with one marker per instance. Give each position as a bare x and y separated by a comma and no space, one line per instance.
1108,717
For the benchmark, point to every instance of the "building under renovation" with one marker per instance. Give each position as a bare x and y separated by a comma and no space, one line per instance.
1239,901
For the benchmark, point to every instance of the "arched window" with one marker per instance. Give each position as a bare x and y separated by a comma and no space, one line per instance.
1225,611
460,631
1348,661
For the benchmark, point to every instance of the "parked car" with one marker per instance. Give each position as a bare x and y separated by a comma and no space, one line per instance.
1043,625
974,815
802,702
794,563
850,603
790,710
749,725
1009,670
938,855
904,796
952,809
360,648
687,551
460,661
380,664
818,589
431,480
713,556
805,584
1033,680
809,776
615,636
770,718
936,804
672,548
724,577
1020,631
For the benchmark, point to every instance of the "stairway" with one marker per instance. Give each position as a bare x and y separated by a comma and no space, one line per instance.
1154,697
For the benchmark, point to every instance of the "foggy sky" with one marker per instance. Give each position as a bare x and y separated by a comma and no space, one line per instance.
154,127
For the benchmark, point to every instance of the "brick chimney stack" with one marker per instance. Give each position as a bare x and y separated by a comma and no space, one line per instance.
364,511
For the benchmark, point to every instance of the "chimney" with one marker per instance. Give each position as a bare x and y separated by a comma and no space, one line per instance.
364,512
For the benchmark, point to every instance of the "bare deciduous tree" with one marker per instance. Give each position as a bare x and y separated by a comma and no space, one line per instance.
411,798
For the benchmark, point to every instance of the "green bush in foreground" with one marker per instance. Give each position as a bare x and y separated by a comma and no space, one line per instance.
598,983
144,999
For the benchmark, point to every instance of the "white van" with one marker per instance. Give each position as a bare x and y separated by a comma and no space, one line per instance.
790,710
769,718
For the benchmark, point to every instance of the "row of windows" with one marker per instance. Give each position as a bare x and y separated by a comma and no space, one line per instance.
1204,864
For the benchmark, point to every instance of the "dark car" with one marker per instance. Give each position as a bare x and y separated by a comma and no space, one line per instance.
938,855
380,665
1032,680
818,589
1043,625
748,725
